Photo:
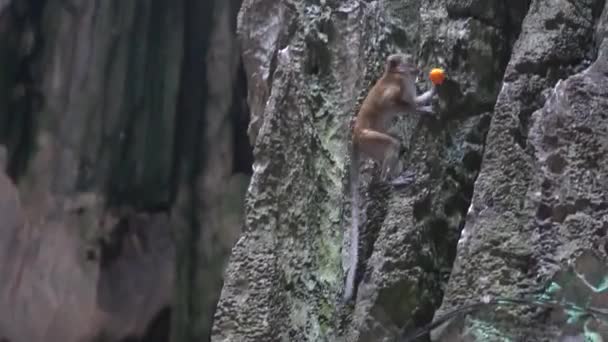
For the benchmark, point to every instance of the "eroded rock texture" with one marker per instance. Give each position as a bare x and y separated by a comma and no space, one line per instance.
118,125
536,144
540,199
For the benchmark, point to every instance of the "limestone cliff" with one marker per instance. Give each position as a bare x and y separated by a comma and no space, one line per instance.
512,165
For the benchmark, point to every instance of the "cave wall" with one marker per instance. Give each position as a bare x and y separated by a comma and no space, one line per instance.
120,194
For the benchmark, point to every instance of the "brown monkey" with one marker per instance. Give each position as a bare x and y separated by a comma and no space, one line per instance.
393,93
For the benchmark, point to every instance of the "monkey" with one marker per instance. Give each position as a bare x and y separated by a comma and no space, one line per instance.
394,92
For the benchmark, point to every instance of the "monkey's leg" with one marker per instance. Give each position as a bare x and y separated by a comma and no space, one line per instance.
376,144
405,178
380,147
390,167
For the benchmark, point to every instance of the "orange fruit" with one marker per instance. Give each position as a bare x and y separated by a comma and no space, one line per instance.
437,76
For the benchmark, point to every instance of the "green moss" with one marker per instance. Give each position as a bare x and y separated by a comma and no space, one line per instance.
326,313
484,331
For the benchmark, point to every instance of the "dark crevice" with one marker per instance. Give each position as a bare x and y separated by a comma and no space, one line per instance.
478,135
112,246
189,155
437,227
459,201
139,175
516,12
158,329
119,185
370,228
19,124
422,208
242,149
120,238
472,161
443,235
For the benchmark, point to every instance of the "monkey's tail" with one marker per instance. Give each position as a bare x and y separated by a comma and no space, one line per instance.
354,231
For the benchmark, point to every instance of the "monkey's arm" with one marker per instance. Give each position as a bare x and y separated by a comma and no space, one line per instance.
398,99
391,95
421,101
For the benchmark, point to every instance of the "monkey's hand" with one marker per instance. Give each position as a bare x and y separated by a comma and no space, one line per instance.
404,179
426,97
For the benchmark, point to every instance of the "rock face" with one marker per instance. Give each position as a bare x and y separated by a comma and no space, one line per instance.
518,142
541,197
118,129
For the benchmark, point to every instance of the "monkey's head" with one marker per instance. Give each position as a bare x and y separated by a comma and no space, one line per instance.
401,63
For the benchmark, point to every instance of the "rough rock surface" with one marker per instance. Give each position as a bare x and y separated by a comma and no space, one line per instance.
308,66
541,197
285,276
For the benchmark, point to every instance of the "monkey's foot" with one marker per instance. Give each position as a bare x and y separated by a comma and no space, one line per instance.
405,178
385,174
391,172
390,166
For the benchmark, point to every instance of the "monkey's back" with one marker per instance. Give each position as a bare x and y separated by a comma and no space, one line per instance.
376,112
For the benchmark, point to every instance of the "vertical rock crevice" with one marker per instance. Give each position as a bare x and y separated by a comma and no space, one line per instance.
22,97
156,331
212,165
242,149
189,155
140,171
